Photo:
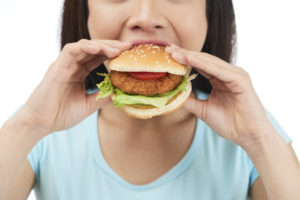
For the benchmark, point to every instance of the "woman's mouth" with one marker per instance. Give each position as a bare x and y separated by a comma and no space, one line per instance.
156,42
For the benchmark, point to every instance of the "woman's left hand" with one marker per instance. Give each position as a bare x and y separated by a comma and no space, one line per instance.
233,109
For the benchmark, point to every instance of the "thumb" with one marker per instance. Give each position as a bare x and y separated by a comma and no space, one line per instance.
195,106
97,104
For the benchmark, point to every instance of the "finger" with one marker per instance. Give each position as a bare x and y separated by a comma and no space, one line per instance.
76,52
85,49
115,45
206,75
209,66
94,104
123,45
195,106
92,64
204,55
179,58
102,49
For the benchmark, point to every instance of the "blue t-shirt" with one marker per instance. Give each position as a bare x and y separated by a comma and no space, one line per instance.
69,165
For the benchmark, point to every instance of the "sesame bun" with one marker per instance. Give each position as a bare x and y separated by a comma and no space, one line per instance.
147,58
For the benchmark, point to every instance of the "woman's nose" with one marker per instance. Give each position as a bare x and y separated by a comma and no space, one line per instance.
146,16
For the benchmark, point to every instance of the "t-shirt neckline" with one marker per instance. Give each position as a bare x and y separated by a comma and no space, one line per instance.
174,172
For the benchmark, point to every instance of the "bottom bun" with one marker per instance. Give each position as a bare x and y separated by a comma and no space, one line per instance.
151,112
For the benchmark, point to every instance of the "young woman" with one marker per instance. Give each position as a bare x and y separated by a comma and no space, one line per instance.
221,144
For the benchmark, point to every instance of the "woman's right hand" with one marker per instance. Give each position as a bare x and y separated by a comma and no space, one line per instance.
60,100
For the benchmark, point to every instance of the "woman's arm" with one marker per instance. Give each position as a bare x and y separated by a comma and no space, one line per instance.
258,191
277,166
17,138
23,183
59,102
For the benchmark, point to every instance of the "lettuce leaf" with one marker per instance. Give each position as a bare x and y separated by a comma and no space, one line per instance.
122,98
105,87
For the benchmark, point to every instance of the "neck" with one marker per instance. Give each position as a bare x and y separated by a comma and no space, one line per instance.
116,128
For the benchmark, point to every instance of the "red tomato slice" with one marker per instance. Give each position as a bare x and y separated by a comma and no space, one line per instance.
147,75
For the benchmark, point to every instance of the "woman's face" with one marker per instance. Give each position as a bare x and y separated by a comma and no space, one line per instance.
181,22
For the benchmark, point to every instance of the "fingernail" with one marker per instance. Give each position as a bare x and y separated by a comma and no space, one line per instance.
175,46
178,56
127,43
168,49
171,48
115,50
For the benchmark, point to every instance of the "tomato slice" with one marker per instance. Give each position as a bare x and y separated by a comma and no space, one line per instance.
147,75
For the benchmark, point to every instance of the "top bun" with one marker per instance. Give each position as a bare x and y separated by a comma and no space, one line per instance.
147,58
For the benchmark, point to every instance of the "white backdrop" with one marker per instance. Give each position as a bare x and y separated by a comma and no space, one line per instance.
268,48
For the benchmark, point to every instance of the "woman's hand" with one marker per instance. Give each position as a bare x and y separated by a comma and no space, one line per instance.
233,109
60,100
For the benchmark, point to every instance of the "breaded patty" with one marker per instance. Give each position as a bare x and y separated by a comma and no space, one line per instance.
129,84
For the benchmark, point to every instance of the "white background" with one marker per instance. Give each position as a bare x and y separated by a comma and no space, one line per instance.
268,48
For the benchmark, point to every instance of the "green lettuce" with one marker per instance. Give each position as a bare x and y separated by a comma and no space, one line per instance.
122,98
105,87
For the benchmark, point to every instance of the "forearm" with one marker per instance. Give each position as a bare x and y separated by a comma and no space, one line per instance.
17,138
278,168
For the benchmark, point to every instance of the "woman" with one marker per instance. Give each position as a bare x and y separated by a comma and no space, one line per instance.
79,148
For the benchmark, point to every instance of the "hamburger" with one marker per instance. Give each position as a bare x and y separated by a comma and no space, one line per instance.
145,81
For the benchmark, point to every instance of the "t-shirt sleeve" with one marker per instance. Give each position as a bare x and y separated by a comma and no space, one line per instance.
254,174
34,157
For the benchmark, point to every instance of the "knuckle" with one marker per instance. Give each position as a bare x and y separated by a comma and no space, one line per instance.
239,69
82,41
190,56
205,54
243,78
243,73
242,70
117,51
68,47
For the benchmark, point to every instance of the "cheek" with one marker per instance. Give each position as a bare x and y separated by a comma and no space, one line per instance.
190,24
192,30
102,24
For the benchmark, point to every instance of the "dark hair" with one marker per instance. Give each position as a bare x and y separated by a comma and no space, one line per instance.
220,40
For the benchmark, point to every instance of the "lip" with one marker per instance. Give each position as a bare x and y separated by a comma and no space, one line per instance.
157,42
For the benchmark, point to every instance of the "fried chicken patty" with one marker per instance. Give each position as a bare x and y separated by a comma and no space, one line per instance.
129,84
